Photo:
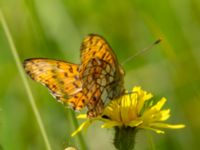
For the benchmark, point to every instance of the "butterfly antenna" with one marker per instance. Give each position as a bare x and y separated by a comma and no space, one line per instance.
142,51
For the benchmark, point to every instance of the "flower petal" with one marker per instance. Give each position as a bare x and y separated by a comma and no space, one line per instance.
142,96
159,104
135,123
82,116
84,126
111,124
155,130
165,114
112,110
165,125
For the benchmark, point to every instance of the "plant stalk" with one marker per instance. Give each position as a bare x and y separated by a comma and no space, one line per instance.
124,138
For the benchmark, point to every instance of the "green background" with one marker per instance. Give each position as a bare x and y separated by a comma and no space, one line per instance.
55,28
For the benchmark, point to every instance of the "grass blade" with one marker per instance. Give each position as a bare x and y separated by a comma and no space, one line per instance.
25,82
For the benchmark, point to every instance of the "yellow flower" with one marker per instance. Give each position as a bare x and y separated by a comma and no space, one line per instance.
135,109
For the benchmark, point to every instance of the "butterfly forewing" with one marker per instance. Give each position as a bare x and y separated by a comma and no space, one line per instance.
95,46
61,78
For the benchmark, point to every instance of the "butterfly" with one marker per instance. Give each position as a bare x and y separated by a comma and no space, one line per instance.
98,79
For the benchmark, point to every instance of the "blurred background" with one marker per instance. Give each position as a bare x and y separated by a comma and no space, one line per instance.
55,28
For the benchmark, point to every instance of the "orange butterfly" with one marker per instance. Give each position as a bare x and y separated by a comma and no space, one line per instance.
98,79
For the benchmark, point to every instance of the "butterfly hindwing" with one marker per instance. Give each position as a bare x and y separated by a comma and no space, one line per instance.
61,78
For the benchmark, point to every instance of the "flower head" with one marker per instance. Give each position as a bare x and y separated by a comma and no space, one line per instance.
136,110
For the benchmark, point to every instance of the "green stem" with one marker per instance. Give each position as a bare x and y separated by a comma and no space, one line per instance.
150,139
25,82
124,138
